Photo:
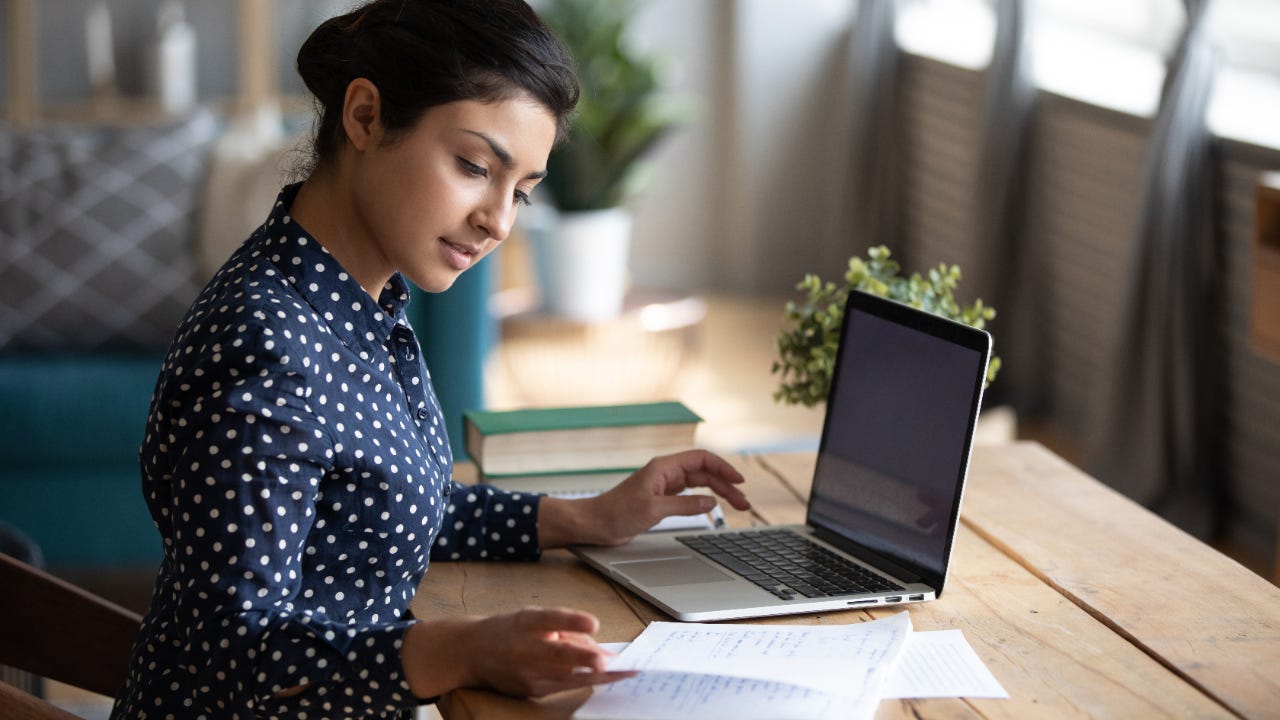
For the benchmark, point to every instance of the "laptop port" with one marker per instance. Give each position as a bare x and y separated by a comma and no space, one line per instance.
917,598
893,599
872,601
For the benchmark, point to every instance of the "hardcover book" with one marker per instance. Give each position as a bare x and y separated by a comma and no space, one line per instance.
586,437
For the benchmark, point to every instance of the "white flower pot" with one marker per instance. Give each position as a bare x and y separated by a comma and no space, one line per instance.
580,260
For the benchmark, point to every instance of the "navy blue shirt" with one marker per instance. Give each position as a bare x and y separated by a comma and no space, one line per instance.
297,468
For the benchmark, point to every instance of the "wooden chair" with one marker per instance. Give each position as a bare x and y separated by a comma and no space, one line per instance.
56,630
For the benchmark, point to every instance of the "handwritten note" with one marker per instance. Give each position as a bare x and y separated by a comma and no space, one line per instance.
929,665
687,696
690,670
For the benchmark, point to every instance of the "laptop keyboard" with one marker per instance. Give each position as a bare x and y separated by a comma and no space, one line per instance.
787,564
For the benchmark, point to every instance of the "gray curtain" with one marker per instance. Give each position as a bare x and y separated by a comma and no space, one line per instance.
876,185
1007,258
1157,437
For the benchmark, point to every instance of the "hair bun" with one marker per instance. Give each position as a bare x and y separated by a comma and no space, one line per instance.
322,58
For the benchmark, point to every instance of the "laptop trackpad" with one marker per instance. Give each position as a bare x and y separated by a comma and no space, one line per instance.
670,571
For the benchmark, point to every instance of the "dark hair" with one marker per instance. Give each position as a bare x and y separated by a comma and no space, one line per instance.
423,53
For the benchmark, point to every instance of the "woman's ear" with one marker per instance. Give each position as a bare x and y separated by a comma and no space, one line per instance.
362,114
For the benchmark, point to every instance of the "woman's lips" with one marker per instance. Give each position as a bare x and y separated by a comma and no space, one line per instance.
460,256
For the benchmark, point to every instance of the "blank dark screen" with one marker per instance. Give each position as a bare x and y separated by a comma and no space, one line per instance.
895,441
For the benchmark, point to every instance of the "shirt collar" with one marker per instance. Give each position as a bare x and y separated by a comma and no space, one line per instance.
322,281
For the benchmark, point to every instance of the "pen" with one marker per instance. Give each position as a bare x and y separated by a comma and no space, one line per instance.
717,518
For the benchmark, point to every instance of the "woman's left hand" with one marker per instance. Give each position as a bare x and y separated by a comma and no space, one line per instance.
641,501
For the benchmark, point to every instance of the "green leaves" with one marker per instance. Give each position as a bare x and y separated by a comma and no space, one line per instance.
621,115
810,335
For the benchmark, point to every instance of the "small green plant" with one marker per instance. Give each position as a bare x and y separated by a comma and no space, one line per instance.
623,112
811,331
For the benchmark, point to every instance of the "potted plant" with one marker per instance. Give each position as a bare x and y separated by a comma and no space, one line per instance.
580,250
811,332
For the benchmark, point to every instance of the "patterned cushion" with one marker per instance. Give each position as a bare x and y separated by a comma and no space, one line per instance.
97,233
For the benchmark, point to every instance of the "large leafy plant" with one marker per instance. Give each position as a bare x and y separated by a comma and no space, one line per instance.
622,113
811,331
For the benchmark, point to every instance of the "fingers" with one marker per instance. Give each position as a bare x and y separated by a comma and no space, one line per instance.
549,649
578,680
700,468
557,620
645,498
565,637
684,504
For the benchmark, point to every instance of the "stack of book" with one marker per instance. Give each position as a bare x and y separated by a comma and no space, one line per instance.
574,451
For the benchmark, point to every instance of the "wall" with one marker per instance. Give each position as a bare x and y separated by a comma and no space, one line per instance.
747,197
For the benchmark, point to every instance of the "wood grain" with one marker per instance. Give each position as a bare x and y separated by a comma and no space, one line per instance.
1203,615
57,630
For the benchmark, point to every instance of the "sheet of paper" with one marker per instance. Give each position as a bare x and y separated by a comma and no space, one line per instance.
775,672
940,664
686,696
931,665
828,658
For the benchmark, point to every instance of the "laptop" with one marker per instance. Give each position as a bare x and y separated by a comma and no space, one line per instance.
885,502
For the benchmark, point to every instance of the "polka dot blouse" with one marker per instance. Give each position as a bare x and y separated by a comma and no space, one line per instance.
297,468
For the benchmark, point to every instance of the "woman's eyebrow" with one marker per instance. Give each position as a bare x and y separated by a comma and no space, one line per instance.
504,157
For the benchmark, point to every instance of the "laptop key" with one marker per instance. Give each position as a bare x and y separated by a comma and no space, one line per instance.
807,590
783,592
732,563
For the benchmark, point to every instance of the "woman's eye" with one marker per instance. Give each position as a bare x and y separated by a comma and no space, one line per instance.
522,198
471,168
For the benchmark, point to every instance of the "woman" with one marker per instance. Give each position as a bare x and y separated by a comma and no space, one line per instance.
295,460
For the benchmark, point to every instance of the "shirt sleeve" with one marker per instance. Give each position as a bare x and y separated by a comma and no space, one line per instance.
249,451
483,522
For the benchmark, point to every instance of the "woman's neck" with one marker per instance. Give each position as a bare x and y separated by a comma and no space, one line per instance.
325,208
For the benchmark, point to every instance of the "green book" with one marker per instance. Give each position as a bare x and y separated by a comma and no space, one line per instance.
572,484
578,438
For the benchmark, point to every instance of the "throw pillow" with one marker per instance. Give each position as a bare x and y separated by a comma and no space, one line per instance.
97,233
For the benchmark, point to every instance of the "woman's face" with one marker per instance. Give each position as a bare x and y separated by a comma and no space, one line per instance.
440,197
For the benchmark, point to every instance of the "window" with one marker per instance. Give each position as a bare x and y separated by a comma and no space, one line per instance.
1246,102
1114,53
961,32
1107,52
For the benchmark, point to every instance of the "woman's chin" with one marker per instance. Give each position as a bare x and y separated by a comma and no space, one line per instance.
434,282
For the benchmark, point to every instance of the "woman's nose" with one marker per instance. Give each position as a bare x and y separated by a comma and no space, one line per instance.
495,217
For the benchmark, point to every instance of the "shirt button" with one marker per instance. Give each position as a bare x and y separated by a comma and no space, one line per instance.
408,354
422,413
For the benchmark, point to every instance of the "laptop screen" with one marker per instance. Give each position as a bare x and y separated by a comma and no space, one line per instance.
895,445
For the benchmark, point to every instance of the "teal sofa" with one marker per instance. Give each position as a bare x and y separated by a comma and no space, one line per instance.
70,428
71,425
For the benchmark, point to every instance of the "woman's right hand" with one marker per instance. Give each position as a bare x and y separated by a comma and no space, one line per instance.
528,653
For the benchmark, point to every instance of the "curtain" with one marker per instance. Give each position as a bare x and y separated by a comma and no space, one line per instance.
876,185
1157,437
1006,266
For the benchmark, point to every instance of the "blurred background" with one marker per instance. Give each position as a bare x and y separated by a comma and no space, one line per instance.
1099,169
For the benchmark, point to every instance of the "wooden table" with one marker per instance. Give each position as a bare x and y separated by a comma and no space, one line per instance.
1081,602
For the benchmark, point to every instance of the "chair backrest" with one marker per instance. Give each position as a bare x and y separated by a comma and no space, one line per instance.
56,630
